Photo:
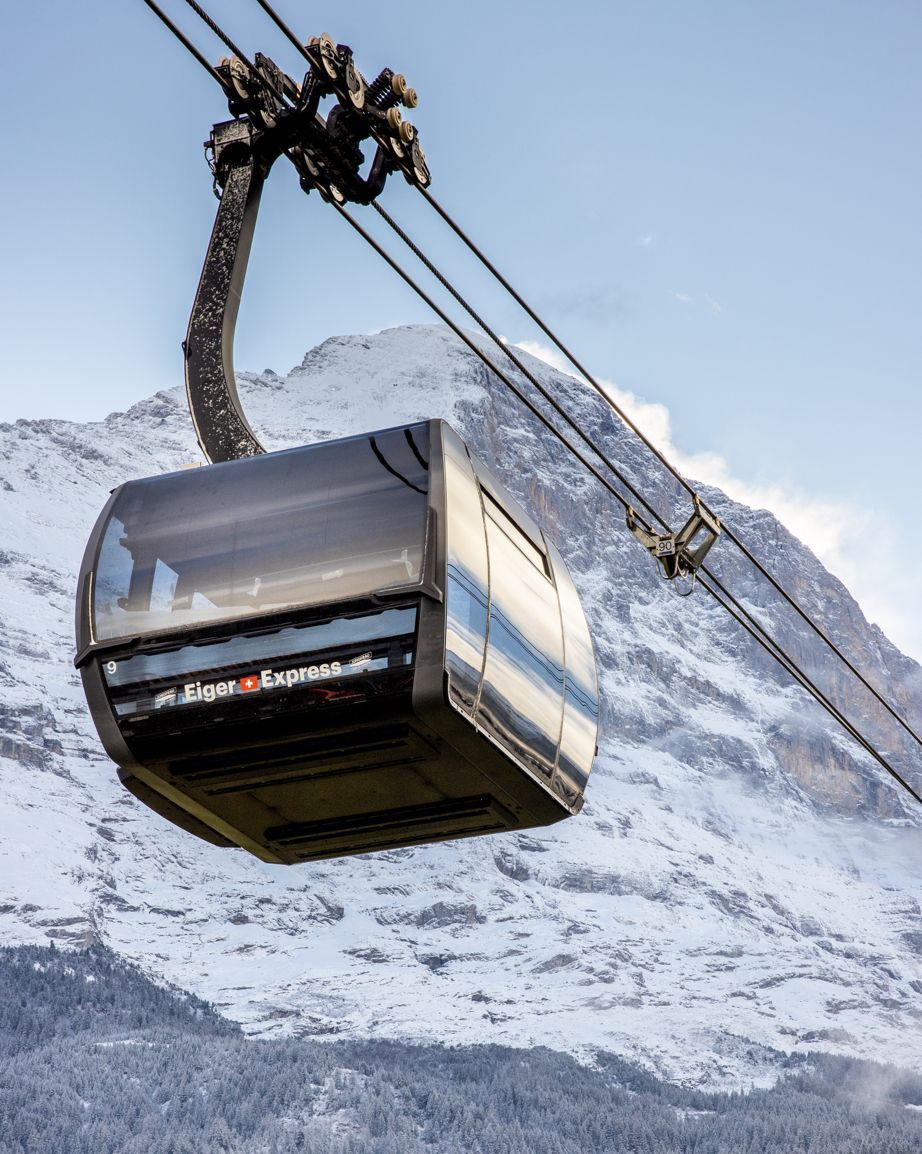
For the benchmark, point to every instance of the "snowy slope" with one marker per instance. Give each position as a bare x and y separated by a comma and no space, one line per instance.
741,876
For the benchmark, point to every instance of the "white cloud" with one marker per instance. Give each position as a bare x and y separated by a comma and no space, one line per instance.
864,549
684,298
545,353
644,241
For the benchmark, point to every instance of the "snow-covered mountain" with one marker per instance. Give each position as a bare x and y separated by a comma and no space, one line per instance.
742,876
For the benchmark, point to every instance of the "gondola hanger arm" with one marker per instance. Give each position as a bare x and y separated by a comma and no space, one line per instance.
275,116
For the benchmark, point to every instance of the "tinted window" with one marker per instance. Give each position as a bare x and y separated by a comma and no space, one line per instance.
501,518
324,653
306,526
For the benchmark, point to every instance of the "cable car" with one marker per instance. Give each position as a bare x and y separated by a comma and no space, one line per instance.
338,648
342,647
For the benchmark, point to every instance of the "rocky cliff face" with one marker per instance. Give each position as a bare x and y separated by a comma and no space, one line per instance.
742,876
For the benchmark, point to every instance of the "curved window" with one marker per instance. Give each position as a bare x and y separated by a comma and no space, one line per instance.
326,523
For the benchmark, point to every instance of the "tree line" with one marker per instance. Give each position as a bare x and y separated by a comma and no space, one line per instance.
95,1058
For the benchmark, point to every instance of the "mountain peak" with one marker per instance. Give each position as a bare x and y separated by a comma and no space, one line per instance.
738,882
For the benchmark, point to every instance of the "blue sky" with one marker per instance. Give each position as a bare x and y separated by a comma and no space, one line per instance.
716,204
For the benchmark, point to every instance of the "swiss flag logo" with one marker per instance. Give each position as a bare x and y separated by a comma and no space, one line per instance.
248,684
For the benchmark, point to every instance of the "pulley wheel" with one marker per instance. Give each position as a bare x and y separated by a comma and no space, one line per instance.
239,75
326,47
420,167
267,116
355,86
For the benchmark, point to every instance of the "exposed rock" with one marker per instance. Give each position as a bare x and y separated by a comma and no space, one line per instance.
741,877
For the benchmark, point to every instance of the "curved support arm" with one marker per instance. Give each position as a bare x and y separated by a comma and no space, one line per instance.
223,432
273,117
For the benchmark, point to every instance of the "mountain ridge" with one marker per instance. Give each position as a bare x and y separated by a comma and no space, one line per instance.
734,851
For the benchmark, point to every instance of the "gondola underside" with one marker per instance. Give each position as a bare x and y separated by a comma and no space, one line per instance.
346,787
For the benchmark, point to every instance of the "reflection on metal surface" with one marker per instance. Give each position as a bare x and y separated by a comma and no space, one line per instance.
521,701
467,583
322,654
581,697
517,651
498,515
466,637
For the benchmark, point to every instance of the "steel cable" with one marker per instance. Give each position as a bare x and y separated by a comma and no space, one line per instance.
474,347
187,43
221,35
732,605
283,27
673,471
821,698
718,591
723,597
507,352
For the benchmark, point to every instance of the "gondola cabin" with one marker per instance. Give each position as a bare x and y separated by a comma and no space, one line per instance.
339,648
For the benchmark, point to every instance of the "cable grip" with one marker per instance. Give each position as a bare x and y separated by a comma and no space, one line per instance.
679,554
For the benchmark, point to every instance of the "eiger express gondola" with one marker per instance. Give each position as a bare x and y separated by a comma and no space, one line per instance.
343,647
337,648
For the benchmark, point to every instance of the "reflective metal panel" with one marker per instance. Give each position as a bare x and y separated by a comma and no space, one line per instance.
302,527
521,701
581,696
466,592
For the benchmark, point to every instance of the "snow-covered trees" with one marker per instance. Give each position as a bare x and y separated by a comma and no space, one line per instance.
95,1059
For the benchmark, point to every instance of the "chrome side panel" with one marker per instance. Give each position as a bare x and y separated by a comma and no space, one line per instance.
581,693
467,578
521,699
518,656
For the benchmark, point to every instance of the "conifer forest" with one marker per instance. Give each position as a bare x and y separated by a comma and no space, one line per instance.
96,1059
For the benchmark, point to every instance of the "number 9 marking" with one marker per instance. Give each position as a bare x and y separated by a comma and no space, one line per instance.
111,667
